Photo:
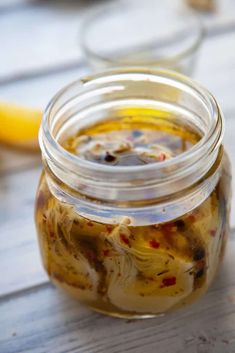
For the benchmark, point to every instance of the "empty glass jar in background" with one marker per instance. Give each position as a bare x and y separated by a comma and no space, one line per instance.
141,239
149,34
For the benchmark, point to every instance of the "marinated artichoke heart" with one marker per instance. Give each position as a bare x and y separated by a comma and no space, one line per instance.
124,269
145,277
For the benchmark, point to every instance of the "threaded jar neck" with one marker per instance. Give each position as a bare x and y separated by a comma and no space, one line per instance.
86,102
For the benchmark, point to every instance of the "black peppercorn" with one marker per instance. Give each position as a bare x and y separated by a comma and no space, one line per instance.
199,254
137,133
200,273
180,224
109,158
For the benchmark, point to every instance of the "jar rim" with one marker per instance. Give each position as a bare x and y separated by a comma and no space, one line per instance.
195,87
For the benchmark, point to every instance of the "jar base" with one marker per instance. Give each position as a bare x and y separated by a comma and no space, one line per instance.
125,315
107,310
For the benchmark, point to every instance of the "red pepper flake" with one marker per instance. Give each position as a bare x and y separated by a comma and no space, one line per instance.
106,252
168,228
191,218
162,157
52,235
212,232
201,264
91,255
154,244
200,273
90,224
169,281
124,239
41,199
109,228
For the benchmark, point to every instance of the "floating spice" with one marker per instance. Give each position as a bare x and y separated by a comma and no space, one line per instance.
109,158
124,239
162,157
137,133
199,254
154,244
168,281
212,232
117,143
106,252
200,273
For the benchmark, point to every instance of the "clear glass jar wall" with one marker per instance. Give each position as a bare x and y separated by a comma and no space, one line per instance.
143,237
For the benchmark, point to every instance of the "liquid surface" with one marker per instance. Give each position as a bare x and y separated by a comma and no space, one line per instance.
131,142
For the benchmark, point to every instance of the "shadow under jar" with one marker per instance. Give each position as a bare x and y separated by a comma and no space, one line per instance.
132,209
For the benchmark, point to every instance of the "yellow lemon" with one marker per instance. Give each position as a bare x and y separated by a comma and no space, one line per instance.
19,125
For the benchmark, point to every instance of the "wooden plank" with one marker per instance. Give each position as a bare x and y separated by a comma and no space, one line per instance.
12,160
216,72
12,4
20,262
215,69
221,19
45,320
20,259
218,75
45,34
62,325
55,28
17,193
229,142
37,92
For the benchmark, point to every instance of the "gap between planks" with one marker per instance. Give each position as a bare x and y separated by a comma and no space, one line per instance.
26,290
44,72
10,6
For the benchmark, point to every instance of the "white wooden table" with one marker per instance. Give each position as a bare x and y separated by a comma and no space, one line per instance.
39,54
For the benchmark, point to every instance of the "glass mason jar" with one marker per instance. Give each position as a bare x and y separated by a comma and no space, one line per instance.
134,240
143,36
